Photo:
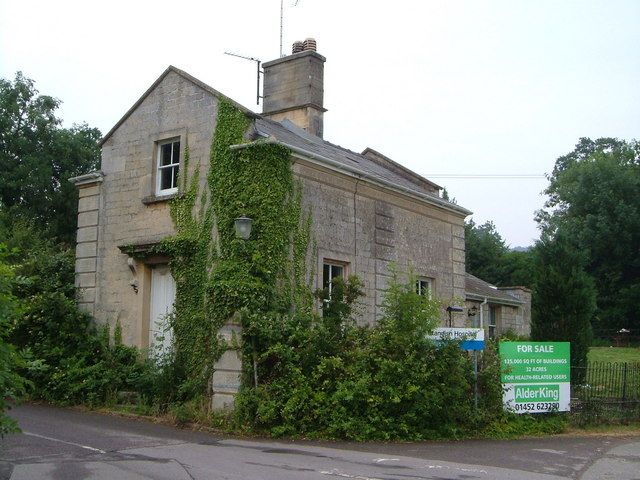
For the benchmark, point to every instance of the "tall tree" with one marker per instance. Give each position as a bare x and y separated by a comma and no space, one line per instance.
594,200
38,156
485,250
564,296
12,385
518,268
488,257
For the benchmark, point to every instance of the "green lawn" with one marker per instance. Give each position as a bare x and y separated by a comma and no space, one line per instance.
614,354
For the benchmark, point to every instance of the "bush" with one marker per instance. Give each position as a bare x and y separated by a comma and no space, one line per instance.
68,360
327,377
12,385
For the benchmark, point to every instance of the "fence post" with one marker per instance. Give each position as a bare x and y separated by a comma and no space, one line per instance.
624,382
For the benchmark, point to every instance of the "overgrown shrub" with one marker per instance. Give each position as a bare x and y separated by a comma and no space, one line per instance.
68,360
325,376
12,385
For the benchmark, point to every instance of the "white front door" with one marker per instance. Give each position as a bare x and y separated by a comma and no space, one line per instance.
163,294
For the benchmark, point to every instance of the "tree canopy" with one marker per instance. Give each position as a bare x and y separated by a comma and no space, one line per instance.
564,297
594,200
38,156
489,258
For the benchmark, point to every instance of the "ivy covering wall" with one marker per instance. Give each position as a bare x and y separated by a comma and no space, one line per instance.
219,276
317,375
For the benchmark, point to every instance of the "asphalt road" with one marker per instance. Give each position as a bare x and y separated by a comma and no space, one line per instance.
66,444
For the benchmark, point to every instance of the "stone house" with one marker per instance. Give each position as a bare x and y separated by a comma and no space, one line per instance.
498,309
367,210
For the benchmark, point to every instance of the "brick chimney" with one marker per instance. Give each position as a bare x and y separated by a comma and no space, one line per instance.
293,87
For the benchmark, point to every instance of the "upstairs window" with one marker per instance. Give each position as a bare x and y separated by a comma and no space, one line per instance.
423,287
168,165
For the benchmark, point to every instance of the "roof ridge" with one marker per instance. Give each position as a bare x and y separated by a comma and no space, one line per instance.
381,159
497,291
153,86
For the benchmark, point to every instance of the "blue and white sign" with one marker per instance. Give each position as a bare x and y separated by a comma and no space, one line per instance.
470,338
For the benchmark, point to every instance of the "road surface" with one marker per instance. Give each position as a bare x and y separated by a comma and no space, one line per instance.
62,444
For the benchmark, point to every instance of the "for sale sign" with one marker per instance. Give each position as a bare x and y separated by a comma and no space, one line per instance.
536,376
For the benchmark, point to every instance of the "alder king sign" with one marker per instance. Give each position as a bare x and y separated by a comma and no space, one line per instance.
536,376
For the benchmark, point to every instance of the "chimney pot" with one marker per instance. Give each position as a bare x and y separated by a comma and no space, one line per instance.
310,44
293,88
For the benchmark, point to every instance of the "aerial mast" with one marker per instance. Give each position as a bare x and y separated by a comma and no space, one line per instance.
282,23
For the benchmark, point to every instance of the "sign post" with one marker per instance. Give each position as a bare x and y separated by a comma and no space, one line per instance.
536,376
470,339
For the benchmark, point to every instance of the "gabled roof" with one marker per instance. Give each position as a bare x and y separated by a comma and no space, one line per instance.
290,134
478,289
401,170
184,75
370,164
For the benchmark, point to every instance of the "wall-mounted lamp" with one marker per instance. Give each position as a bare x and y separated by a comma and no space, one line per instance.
473,311
243,227
131,263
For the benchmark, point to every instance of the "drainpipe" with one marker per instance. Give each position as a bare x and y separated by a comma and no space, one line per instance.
482,312
355,228
475,360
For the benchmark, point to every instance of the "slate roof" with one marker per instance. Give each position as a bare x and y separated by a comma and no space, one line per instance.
476,288
289,134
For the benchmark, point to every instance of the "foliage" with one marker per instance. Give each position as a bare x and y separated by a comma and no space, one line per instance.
490,384
383,382
304,374
484,248
487,257
565,298
512,425
217,276
38,156
594,199
518,268
67,360
12,385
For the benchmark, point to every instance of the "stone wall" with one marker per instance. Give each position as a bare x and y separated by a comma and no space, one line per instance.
89,206
130,213
508,317
523,322
369,228
365,226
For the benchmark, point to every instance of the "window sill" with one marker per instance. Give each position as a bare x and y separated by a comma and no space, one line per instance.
151,199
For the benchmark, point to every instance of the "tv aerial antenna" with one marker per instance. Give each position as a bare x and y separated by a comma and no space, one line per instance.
282,22
257,60
258,72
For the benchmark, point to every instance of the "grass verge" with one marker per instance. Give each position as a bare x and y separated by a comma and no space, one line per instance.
614,354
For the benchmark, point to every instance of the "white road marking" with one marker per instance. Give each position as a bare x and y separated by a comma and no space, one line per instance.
64,441
380,460
548,450
447,467
337,473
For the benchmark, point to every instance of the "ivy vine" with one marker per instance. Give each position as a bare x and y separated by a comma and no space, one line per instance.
218,275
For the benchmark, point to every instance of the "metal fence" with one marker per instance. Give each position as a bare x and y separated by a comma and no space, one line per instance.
606,388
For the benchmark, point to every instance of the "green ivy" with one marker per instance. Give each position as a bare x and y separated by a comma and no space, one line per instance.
218,275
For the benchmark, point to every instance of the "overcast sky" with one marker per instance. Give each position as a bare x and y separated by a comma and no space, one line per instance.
462,92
